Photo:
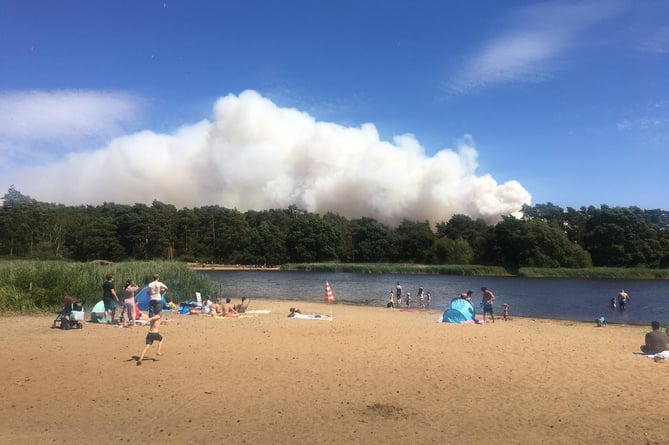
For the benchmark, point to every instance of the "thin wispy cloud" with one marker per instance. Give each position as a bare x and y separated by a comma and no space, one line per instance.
533,45
65,120
657,42
653,119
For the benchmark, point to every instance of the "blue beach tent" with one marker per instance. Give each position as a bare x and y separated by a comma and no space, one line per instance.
142,299
461,311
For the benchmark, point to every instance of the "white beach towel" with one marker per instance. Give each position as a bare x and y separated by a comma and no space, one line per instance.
312,316
664,355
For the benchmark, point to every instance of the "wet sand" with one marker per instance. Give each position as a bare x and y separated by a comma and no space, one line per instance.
370,376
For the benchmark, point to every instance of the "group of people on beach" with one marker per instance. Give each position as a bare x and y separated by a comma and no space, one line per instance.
424,298
221,307
487,299
110,299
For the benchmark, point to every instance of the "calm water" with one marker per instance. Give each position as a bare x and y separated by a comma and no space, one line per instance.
560,298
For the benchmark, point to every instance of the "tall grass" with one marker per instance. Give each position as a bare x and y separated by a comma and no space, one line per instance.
389,268
28,286
619,273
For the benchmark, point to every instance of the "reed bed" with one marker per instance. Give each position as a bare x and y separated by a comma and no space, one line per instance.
619,273
28,286
390,268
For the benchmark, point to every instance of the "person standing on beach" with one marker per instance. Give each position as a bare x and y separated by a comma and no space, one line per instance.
428,299
129,301
156,291
391,303
488,298
109,298
151,336
398,294
421,297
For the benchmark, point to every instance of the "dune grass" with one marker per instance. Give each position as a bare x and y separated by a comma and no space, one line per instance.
33,286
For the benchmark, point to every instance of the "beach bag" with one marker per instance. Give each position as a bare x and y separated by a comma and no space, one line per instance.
184,310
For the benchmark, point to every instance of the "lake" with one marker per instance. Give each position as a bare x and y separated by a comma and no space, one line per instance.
559,298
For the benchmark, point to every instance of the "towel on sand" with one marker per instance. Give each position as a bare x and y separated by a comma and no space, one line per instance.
664,355
312,316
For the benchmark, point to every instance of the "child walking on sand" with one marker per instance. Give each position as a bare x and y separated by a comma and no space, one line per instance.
151,336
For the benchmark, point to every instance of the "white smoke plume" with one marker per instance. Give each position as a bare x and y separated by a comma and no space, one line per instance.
254,155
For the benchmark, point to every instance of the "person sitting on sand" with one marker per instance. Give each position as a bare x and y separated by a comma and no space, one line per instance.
239,306
294,311
207,306
217,307
390,303
656,340
229,309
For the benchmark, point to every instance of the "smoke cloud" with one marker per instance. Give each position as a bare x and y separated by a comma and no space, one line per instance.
255,155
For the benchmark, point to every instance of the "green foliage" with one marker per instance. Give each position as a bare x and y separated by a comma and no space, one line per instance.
448,251
311,239
414,240
546,236
28,286
370,240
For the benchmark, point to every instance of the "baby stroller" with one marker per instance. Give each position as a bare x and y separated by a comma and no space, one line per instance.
71,316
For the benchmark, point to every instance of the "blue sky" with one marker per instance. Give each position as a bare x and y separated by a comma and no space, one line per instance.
495,104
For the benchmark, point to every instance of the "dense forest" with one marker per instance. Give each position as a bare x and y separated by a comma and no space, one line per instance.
546,236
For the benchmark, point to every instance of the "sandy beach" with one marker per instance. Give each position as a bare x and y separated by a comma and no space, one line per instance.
369,376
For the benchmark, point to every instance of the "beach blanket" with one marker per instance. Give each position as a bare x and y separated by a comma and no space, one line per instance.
664,355
313,316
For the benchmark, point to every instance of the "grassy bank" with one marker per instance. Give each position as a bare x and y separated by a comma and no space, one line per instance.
490,271
380,268
30,286
619,273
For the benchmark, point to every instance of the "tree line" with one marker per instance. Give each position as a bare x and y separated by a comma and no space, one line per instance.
545,236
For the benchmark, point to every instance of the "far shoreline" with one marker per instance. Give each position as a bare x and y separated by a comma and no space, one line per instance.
217,267
593,273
